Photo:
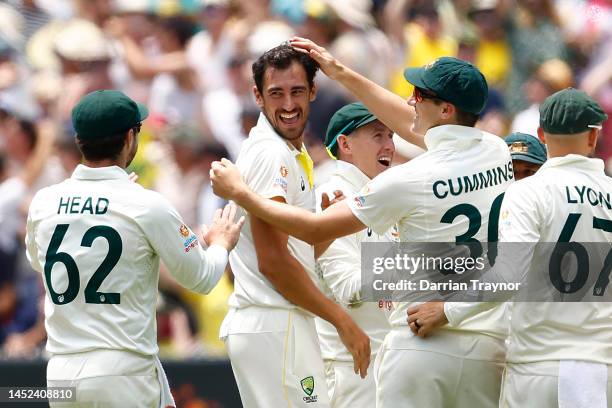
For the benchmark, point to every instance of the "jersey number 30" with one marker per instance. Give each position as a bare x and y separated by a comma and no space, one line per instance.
115,247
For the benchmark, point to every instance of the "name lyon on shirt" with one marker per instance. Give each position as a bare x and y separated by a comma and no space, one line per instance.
576,195
473,182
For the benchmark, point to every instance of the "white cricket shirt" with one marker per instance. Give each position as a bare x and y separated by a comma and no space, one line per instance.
269,166
340,271
97,238
536,210
445,193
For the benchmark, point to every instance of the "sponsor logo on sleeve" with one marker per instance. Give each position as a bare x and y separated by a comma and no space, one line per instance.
284,172
191,241
184,231
359,201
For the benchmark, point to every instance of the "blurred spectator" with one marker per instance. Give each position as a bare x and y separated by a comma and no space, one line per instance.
423,39
84,57
535,36
175,96
492,54
33,16
210,51
550,77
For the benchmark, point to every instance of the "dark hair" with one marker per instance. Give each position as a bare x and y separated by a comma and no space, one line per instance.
466,118
281,57
180,27
102,148
462,117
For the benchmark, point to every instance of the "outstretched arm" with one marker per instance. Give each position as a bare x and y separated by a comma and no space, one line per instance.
389,108
336,221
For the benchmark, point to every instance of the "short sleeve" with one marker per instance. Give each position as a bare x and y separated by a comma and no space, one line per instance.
384,200
267,171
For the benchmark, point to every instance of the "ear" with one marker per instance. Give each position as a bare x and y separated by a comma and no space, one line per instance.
541,135
258,97
313,93
343,144
448,110
593,138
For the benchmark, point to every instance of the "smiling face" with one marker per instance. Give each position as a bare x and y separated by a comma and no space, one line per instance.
285,100
428,111
370,148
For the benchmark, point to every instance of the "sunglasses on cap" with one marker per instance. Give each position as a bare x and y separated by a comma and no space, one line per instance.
419,95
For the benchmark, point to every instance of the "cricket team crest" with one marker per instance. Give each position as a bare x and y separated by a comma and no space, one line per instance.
308,385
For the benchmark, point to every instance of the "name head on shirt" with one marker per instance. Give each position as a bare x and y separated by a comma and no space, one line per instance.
83,205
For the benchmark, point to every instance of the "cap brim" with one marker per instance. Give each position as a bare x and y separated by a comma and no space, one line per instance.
415,77
142,111
525,158
365,121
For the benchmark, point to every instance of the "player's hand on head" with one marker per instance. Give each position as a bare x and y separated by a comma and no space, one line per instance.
426,318
357,343
226,180
329,65
223,230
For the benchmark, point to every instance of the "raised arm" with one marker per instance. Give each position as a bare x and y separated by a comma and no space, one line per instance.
336,221
389,108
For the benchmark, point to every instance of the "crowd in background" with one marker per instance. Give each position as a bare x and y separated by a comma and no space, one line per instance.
190,61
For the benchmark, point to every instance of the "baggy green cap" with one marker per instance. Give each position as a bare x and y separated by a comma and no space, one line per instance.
453,80
106,113
570,111
525,147
346,120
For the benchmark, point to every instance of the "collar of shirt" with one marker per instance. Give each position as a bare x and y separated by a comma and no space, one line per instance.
264,130
451,136
351,174
83,172
575,161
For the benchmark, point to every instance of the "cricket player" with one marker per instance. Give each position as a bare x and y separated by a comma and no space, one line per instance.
98,238
364,148
269,330
432,198
527,152
560,354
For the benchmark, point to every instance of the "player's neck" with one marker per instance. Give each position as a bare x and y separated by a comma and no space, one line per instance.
103,163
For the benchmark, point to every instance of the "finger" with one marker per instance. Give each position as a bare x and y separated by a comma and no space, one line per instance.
226,162
324,201
338,194
218,214
216,165
364,370
413,310
211,173
240,222
232,212
226,211
413,328
356,364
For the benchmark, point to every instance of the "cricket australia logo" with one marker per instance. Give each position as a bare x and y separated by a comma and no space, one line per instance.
308,388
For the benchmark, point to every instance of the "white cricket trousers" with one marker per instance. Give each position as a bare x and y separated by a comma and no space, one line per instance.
109,379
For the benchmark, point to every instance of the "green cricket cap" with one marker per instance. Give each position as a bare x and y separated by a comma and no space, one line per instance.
105,113
453,80
525,147
344,122
570,111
